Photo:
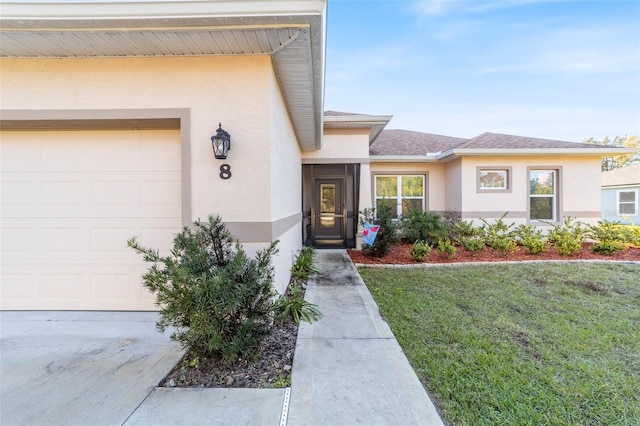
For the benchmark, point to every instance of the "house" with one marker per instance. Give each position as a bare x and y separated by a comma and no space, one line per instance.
107,114
620,192
108,119
533,181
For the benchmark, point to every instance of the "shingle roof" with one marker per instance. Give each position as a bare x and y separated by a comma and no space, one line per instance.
500,141
629,175
405,142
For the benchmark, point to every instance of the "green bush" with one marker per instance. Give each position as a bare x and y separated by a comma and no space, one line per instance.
292,305
474,244
304,266
568,237
608,248
531,239
420,250
424,226
504,244
218,300
462,229
605,231
388,233
447,249
499,229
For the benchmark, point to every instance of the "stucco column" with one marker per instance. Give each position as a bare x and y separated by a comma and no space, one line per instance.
365,197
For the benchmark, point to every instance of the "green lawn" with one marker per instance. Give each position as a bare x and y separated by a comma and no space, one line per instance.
529,344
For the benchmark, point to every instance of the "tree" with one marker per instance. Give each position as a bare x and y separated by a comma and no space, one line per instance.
623,160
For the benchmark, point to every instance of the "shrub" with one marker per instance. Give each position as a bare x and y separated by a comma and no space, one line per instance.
504,244
531,239
462,229
496,230
420,250
608,248
605,231
446,248
568,237
304,266
388,233
218,300
424,226
292,305
474,244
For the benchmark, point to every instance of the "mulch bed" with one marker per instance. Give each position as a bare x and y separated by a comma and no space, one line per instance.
400,255
271,364
269,367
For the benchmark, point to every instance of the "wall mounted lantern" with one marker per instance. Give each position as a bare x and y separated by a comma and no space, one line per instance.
221,143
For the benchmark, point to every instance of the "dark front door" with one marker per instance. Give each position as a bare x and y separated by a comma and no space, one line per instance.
329,212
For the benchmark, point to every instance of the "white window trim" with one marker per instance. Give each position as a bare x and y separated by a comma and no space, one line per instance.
635,202
399,190
554,197
485,190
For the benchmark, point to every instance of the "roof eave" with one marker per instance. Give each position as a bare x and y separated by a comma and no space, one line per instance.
404,158
303,92
375,123
596,152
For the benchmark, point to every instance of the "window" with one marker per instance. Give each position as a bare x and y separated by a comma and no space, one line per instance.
496,179
628,202
405,192
543,195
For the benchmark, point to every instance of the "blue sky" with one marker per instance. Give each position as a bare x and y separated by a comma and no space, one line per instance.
554,69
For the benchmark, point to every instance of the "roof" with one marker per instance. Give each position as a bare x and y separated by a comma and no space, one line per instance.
406,142
499,141
629,175
293,32
404,145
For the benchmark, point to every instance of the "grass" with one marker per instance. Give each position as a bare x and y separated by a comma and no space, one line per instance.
543,344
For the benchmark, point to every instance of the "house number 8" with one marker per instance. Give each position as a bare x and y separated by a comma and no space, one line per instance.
225,171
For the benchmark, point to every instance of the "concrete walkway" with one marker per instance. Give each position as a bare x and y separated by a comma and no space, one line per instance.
348,367
102,368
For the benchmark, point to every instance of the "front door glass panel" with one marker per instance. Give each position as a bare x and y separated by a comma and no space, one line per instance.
329,221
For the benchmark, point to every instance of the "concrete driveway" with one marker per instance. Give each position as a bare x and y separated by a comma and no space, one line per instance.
79,368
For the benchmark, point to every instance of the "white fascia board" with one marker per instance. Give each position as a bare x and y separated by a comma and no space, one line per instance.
630,186
356,121
403,159
597,152
52,10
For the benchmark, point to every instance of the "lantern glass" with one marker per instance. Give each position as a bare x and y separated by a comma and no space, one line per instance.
221,143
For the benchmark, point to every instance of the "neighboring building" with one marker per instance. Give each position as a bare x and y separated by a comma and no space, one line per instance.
107,113
620,192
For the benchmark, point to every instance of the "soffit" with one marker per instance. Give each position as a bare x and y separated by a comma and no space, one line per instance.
375,123
296,43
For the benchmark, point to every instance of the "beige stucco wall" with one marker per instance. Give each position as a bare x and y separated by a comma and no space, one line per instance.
286,185
341,145
579,187
453,186
241,92
231,90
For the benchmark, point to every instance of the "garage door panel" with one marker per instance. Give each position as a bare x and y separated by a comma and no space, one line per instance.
67,216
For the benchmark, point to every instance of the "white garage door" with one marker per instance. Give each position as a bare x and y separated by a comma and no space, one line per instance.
70,200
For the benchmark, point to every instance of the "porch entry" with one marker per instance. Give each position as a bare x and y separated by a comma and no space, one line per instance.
329,204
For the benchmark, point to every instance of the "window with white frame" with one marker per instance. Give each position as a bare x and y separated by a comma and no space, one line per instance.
627,202
404,193
543,195
494,179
